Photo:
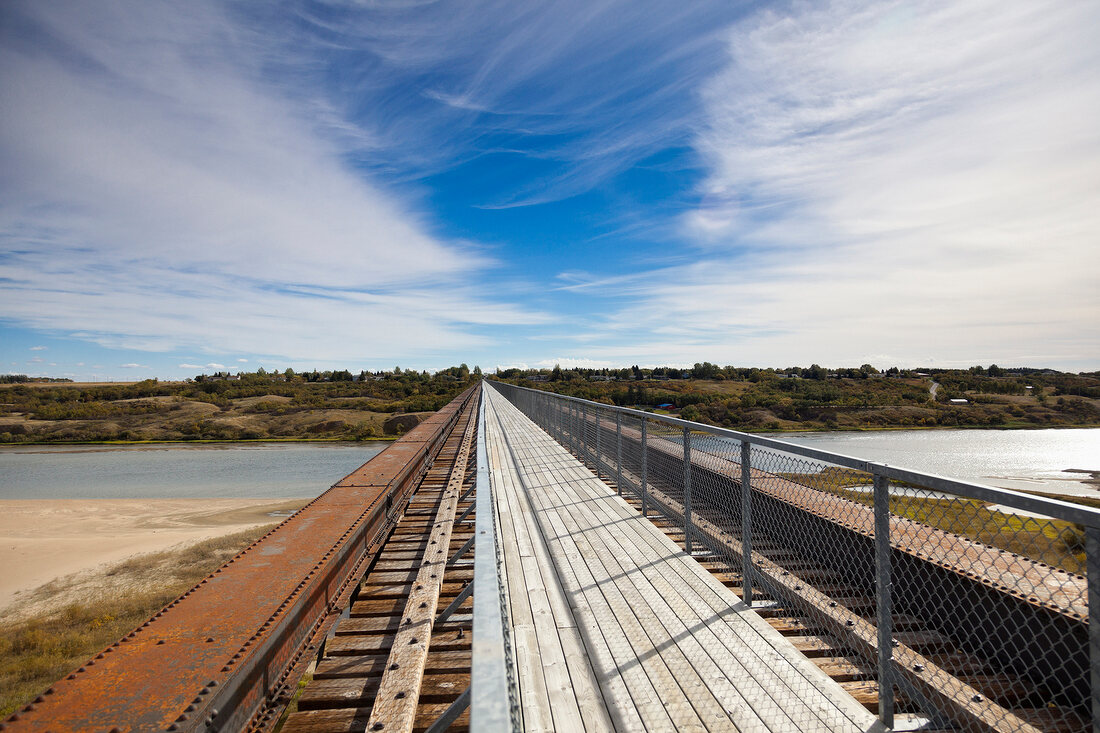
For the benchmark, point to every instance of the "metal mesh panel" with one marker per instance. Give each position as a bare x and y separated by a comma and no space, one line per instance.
929,598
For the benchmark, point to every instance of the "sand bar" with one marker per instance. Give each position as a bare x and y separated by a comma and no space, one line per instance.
44,539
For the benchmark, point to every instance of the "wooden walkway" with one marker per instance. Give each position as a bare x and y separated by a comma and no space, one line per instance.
614,627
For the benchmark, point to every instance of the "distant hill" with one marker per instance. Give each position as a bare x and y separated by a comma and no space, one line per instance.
814,398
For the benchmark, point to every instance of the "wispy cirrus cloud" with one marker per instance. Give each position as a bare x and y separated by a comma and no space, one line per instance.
577,91
162,192
911,179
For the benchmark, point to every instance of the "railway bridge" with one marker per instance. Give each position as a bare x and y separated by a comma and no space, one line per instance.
528,561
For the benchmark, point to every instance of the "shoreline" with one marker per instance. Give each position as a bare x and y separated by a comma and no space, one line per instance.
391,438
43,540
200,442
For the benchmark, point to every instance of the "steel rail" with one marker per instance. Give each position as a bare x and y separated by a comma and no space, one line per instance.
491,693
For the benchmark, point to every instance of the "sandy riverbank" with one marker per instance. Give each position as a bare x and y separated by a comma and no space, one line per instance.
42,540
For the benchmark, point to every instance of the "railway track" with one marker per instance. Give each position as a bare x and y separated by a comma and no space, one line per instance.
229,653
391,663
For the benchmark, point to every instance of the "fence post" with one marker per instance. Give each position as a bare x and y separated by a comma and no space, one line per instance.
599,450
687,490
618,452
576,425
645,477
746,524
584,433
1092,561
883,602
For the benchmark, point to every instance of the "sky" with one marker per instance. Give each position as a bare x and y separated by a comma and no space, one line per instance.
206,186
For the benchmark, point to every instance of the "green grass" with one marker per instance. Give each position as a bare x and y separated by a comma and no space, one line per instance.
37,651
1052,541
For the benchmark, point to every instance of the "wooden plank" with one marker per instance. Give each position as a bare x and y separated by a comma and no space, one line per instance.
399,689
709,664
616,538
710,581
661,589
610,649
692,668
591,693
574,692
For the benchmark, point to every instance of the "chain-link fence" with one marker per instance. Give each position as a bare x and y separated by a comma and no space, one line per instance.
937,603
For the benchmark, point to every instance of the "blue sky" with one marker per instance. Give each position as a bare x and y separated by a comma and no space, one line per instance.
199,186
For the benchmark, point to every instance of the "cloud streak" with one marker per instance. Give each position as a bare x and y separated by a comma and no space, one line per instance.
161,193
579,91
907,179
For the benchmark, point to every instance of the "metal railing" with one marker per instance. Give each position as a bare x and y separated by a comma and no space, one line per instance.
493,700
994,579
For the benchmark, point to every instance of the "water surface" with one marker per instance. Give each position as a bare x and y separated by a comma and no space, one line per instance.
1037,460
235,470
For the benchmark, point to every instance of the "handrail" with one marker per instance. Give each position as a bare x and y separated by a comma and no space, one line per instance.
1052,507
1050,627
490,699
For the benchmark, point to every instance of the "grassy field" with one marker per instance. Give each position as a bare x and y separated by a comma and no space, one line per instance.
1052,541
36,651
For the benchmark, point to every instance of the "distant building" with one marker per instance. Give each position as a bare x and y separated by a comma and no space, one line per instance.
959,401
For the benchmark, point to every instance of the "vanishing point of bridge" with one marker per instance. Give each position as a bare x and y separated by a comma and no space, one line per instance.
523,560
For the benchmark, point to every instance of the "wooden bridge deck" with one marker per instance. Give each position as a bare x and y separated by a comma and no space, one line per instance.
614,627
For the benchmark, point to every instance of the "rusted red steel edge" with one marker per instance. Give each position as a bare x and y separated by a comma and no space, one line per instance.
227,654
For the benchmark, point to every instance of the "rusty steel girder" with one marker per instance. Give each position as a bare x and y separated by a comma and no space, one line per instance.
228,653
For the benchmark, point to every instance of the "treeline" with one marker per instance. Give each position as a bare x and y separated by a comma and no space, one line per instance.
811,398
386,392
21,378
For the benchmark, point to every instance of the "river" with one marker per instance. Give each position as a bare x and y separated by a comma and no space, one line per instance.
1035,460
178,470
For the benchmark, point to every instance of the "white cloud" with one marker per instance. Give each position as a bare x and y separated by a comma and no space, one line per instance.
38,348
575,363
162,193
903,178
215,365
587,88
133,366
190,366
242,361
